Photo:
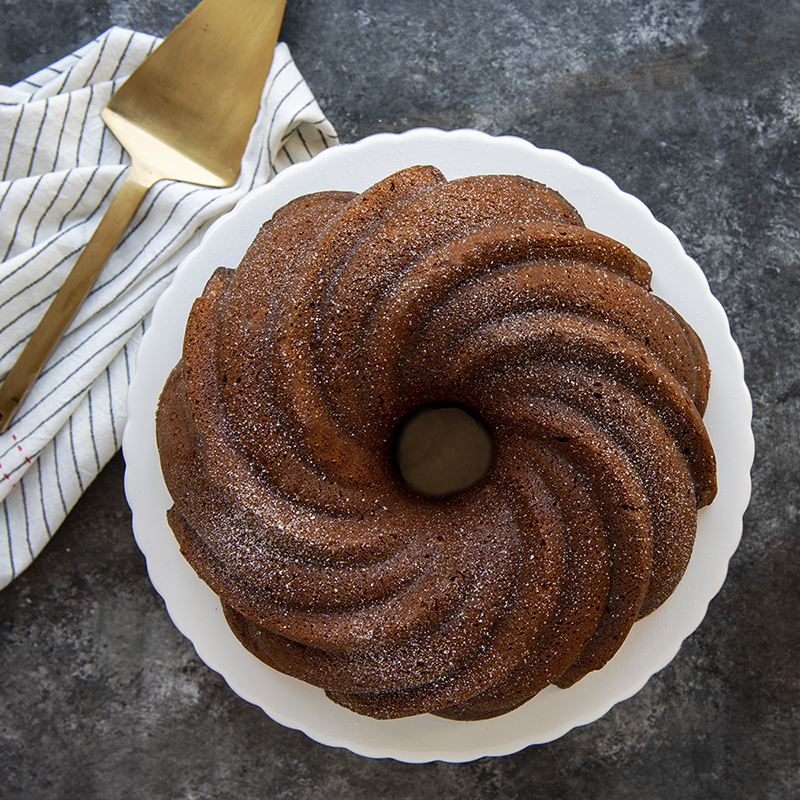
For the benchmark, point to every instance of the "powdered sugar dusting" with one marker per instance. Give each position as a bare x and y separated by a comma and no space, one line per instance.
348,313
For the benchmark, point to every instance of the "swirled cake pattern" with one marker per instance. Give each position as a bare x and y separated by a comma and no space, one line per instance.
348,313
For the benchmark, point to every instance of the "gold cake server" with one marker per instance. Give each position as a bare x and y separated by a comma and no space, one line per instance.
184,114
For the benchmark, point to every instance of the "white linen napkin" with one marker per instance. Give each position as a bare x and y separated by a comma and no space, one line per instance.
59,168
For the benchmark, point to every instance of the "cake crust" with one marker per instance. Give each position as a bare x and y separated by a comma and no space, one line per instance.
349,312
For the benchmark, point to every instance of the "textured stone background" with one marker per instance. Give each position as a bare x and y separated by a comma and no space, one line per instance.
692,106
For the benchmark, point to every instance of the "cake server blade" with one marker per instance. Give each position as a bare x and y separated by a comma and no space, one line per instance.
184,114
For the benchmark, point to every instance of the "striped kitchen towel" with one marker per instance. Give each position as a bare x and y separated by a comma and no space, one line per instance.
59,168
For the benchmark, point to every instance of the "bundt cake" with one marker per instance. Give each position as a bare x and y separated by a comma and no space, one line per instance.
350,312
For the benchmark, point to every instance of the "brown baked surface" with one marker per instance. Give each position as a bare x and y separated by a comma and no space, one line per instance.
350,311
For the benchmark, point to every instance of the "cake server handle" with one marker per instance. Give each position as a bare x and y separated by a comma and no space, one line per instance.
73,292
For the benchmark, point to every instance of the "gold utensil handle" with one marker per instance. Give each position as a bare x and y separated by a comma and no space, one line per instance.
71,295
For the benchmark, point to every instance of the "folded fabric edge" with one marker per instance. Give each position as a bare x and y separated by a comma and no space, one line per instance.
39,502
51,77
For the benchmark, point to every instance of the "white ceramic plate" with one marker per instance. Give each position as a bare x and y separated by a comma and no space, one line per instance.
653,642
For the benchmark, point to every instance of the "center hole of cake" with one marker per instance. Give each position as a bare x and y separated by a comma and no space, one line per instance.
443,449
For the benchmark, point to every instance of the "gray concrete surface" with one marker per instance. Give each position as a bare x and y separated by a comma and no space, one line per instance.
693,106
